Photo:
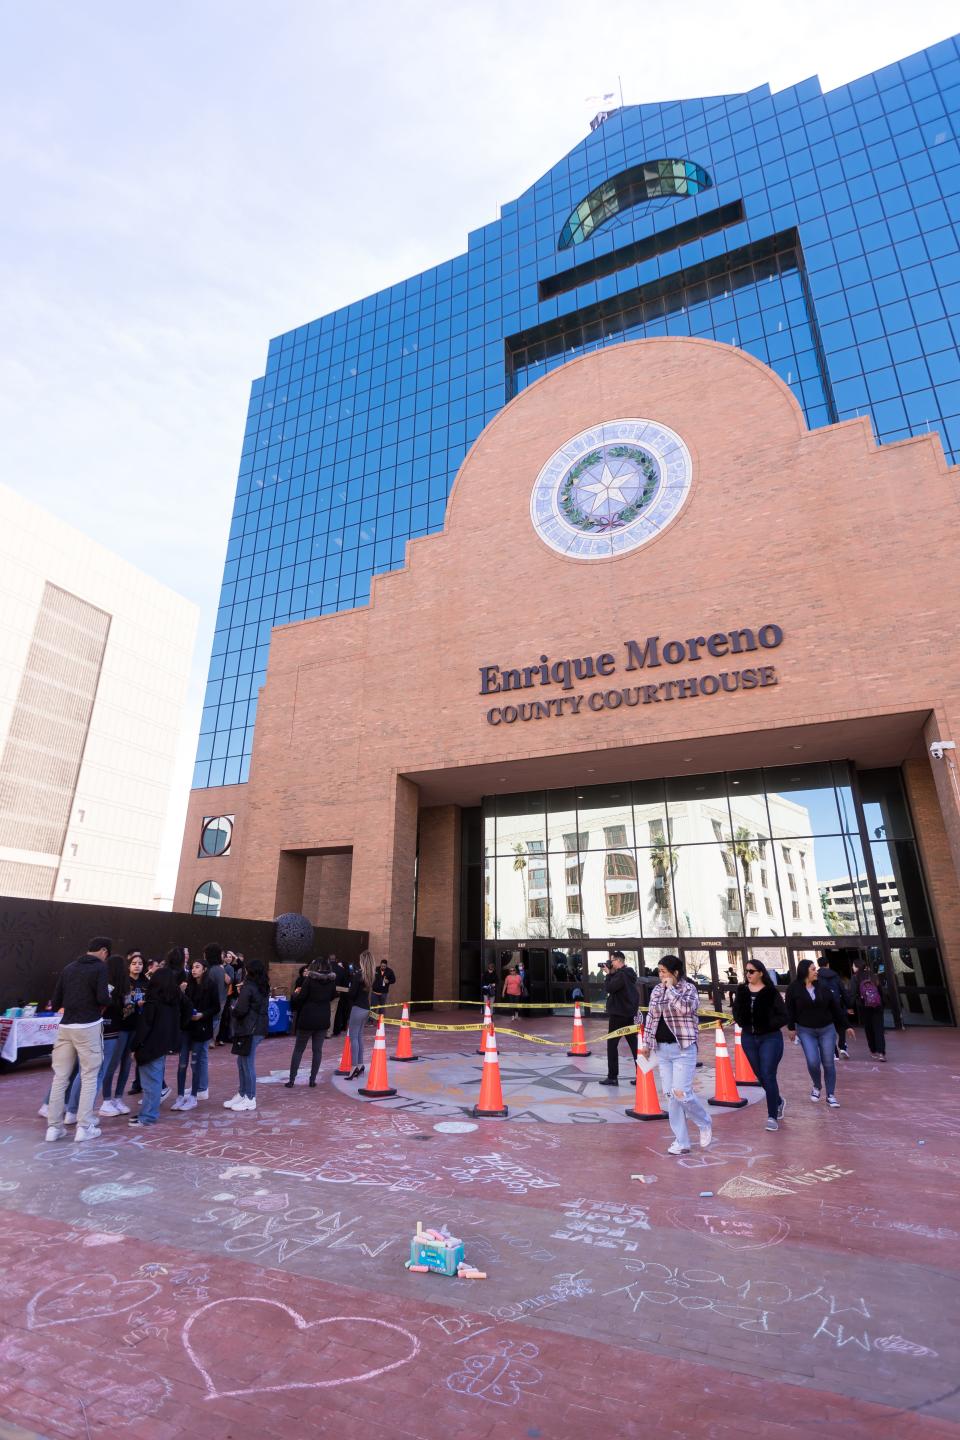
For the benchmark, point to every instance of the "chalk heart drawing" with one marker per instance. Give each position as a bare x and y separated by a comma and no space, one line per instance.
294,1318
86,1297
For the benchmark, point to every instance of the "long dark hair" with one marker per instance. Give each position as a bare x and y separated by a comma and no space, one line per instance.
118,978
257,974
803,970
673,964
165,985
763,972
174,959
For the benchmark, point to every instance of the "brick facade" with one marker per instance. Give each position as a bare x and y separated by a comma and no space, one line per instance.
846,546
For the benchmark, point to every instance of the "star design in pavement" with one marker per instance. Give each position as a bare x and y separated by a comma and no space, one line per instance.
607,489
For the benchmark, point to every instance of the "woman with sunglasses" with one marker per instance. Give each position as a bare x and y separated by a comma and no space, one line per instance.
761,1015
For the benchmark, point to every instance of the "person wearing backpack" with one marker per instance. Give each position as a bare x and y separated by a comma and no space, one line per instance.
869,999
623,1002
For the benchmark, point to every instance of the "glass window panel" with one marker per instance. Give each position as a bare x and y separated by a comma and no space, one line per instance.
899,881
611,906
655,867
884,805
522,903
489,880
797,863
566,905
844,792
707,895
697,808
561,818
802,801
748,805
605,813
649,811
520,820
208,899
920,985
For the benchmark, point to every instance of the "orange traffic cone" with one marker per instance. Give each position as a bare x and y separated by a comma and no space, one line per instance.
491,1106
742,1069
487,1022
646,1101
725,1086
404,1046
379,1088
346,1059
579,1041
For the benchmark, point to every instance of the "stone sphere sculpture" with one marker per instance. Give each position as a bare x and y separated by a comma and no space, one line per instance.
293,937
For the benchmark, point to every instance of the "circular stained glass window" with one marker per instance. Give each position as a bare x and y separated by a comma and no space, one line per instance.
216,835
611,489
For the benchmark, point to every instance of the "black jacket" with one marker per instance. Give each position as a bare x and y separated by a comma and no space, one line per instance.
164,1016
623,995
203,997
382,980
759,1013
311,1001
824,1009
250,1011
358,994
82,991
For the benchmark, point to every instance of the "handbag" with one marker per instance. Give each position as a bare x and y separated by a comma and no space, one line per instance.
242,1045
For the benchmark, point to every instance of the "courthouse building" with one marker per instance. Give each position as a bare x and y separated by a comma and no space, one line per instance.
663,667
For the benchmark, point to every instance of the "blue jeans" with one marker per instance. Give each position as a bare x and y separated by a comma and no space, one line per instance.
355,1026
677,1067
151,1078
765,1053
118,1064
193,1052
818,1048
110,1044
246,1066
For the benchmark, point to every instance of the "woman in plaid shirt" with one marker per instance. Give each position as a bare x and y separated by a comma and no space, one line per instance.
672,1029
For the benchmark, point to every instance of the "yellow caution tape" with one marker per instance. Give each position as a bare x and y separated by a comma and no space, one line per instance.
710,1019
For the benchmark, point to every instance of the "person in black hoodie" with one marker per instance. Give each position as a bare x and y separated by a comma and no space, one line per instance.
118,1070
623,1002
814,1013
166,1012
311,1005
81,993
203,999
761,1015
828,976
250,1021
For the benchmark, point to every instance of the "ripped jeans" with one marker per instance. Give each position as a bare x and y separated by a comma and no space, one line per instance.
677,1068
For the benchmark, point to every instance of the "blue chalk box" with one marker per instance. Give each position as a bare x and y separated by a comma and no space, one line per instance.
441,1258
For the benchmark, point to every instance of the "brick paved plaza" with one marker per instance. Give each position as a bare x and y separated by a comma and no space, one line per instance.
243,1275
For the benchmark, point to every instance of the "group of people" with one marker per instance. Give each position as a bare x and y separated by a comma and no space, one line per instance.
816,1010
362,991
123,1013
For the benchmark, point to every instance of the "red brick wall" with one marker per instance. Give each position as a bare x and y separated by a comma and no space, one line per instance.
843,544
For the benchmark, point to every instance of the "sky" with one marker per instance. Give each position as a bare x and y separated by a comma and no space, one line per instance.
182,181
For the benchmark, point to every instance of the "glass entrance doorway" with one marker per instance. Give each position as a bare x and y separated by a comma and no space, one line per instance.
781,863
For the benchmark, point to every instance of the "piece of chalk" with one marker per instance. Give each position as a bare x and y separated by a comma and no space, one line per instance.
419,1269
705,1193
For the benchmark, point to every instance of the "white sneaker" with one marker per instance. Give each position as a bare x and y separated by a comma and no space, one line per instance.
246,1104
203,1094
87,1132
165,1091
677,1149
814,1095
833,1102
108,1108
233,1102
705,1137
70,1118
55,1132
189,1102
178,1103
120,1109
44,1110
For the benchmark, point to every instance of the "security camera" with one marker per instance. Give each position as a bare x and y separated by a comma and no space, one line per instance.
938,747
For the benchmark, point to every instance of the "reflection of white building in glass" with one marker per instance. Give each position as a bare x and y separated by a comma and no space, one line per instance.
94,662
616,872
846,900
